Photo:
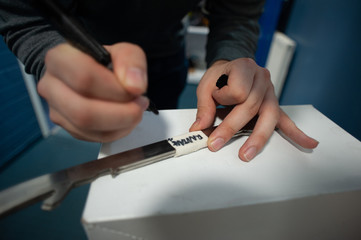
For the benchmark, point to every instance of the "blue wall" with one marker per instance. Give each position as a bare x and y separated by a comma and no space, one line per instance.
326,69
268,23
18,125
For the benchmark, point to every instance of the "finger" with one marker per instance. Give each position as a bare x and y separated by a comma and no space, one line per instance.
239,116
87,135
206,108
289,128
239,85
130,66
84,75
92,114
269,115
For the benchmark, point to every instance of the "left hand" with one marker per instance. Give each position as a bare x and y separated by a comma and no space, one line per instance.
251,92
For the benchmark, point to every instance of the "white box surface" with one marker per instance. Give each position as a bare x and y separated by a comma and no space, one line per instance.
284,193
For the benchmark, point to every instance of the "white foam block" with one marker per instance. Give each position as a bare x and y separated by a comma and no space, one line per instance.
205,195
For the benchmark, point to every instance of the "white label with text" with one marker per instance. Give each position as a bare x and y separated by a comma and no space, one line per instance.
187,143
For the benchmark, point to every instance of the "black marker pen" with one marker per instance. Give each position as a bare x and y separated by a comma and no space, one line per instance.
222,81
77,36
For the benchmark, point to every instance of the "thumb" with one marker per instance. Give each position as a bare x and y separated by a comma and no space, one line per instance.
206,111
130,67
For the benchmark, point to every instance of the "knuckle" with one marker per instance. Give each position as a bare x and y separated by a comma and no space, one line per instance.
41,88
204,111
247,62
253,108
81,118
52,53
276,114
271,88
266,73
261,139
239,95
49,56
82,81
229,130
54,117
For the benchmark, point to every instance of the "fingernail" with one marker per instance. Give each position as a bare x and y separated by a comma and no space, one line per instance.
217,144
250,153
143,102
136,78
195,124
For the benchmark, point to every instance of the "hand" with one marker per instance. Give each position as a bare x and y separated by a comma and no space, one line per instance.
251,92
90,101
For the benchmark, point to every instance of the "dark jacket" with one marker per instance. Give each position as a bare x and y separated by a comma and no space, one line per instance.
155,25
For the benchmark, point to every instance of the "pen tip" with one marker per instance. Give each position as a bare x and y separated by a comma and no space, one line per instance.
152,108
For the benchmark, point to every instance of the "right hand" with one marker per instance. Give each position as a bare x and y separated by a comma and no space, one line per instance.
88,100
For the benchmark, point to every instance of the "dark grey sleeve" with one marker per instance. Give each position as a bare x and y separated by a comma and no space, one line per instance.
27,34
234,29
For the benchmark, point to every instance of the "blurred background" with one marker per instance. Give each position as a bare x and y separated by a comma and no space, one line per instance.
312,49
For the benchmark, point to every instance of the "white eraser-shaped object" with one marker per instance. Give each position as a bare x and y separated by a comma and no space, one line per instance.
189,142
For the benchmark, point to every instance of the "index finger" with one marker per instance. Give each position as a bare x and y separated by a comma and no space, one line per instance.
84,75
239,83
